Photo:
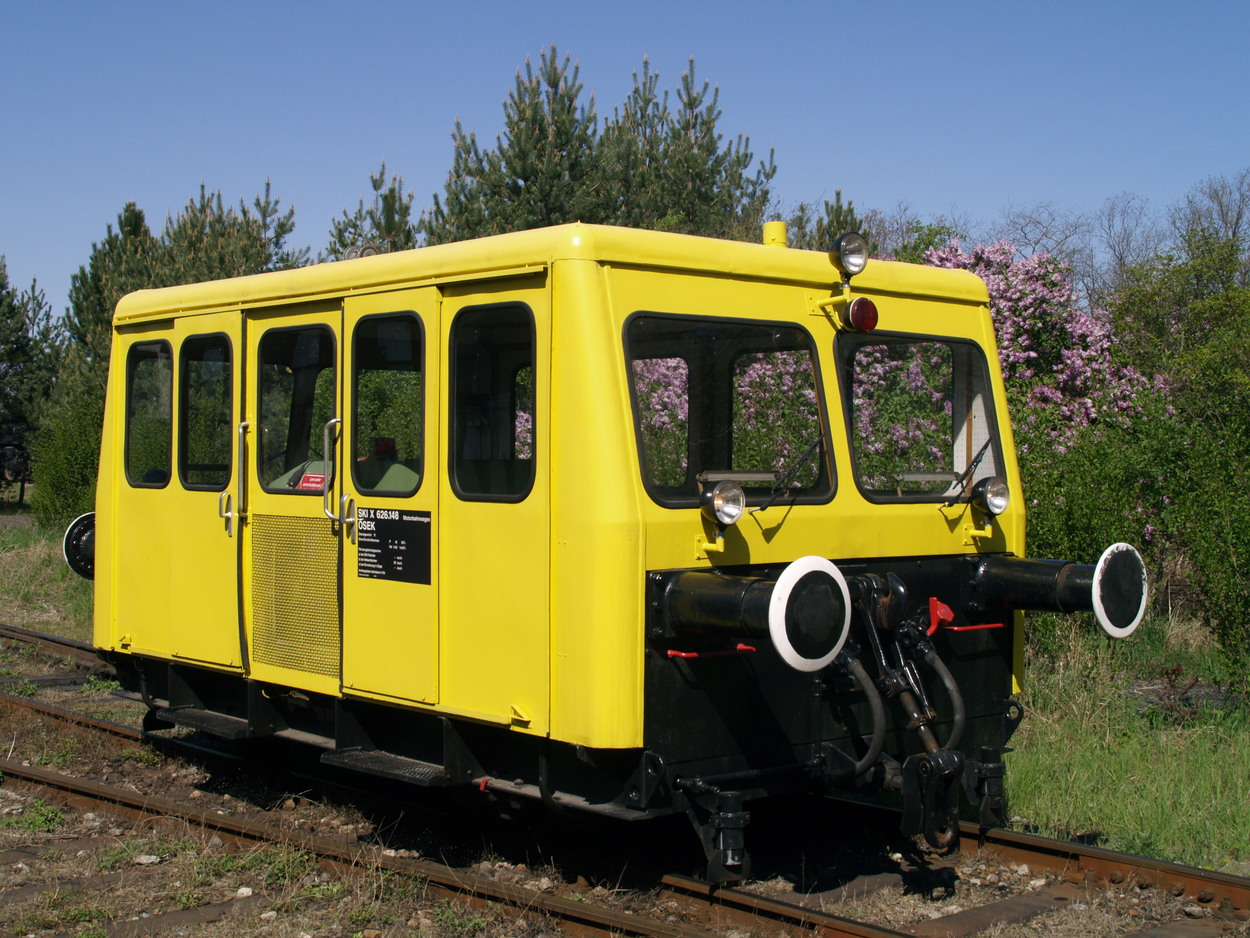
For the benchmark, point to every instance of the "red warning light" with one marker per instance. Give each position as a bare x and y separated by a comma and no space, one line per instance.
862,315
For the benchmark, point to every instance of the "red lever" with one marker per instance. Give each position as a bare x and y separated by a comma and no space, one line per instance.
939,614
739,649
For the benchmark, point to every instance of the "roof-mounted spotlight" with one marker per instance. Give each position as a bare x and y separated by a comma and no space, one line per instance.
850,253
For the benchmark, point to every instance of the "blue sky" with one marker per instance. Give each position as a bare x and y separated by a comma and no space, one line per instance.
953,107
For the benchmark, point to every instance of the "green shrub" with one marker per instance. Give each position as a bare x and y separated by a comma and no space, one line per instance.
67,453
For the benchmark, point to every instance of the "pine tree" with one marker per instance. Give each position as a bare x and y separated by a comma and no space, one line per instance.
818,234
386,225
629,155
30,345
651,167
538,172
705,185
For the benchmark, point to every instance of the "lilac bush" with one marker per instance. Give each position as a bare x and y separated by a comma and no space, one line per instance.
776,413
1057,358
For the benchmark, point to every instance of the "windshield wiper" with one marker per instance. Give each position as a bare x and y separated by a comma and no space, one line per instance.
779,487
966,477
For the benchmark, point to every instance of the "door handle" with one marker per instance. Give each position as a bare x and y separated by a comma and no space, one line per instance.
347,511
226,499
327,483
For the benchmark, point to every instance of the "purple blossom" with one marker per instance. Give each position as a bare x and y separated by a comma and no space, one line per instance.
1055,356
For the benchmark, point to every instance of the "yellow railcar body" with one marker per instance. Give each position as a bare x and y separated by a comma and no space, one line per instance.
531,612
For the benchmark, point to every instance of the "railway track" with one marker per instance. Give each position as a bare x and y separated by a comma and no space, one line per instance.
1065,876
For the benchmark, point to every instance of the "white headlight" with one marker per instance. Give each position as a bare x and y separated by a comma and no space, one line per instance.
992,495
724,502
850,253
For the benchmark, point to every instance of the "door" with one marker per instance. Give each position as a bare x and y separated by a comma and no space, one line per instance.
204,537
177,550
494,601
290,560
143,550
389,499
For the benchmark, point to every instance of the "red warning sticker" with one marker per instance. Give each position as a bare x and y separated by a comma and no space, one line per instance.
312,482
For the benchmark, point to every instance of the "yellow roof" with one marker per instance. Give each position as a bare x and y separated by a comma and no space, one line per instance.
522,251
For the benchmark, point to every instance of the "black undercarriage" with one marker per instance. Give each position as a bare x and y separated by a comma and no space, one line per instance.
726,720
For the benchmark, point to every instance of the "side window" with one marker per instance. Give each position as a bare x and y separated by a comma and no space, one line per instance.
493,436
295,375
388,405
206,423
149,414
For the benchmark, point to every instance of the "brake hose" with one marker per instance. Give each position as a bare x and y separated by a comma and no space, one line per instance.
877,741
958,712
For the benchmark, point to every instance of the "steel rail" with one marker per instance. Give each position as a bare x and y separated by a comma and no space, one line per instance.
83,653
1072,862
576,916
75,719
1081,863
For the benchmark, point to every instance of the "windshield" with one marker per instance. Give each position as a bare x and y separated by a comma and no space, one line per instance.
920,416
726,396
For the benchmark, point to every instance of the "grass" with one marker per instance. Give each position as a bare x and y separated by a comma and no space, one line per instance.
1121,747
37,590
37,817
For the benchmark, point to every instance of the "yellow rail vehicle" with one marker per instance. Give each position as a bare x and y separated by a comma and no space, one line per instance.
630,522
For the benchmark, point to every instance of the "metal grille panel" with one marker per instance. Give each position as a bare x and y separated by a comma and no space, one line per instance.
295,603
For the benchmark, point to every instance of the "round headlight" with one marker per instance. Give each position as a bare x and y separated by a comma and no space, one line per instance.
850,253
724,502
991,494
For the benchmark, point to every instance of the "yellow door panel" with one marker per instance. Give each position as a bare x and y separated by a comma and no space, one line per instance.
143,557
494,505
290,544
204,545
391,437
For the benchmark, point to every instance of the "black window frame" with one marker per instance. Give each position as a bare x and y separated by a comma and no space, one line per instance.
455,406
687,495
147,348
314,432
205,340
845,344
356,451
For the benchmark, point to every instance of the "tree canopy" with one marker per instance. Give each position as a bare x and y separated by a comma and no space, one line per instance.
30,348
651,166
386,225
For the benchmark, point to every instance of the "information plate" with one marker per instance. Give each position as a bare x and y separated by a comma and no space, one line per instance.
393,544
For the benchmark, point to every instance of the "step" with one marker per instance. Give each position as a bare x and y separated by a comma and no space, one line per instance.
218,724
388,765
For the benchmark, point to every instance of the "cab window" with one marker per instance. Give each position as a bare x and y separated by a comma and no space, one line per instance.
149,414
920,416
295,376
727,396
387,417
493,431
206,423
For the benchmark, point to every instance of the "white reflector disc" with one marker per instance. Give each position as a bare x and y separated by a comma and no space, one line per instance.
809,613
1119,593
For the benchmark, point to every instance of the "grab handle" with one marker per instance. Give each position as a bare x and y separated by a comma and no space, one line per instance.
327,482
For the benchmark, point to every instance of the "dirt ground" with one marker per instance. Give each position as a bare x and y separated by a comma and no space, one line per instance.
14,521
